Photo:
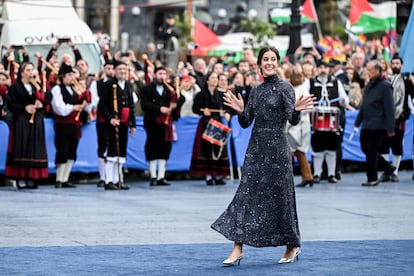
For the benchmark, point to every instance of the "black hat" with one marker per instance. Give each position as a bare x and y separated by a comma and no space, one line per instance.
321,62
335,62
169,16
118,62
65,69
108,62
159,68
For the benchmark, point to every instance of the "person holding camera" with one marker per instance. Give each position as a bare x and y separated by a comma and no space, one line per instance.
168,29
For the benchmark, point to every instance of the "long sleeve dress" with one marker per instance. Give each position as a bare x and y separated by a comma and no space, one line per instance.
26,153
263,210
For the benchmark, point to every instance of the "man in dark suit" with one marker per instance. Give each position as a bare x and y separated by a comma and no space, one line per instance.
377,118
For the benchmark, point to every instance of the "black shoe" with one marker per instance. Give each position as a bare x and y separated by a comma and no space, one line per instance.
338,175
332,179
210,182
153,182
58,184
110,186
371,183
122,186
390,170
162,182
316,179
20,187
394,178
100,184
219,181
30,184
384,177
304,183
68,185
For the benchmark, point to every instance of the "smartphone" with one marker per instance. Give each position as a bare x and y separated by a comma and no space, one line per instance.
63,40
17,47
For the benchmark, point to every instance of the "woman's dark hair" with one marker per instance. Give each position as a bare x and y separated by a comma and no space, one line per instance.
264,50
22,68
207,77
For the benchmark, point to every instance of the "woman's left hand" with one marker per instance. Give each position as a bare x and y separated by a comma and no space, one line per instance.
305,103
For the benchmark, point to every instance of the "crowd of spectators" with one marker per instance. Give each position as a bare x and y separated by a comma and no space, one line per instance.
239,77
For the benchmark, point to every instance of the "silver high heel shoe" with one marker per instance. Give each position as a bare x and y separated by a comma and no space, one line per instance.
293,259
229,262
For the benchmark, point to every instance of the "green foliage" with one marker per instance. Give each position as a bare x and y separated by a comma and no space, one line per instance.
339,30
261,31
183,25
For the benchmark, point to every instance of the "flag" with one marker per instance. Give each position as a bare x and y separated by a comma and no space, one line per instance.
309,11
282,15
357,8
407,42
381,17
204,38
361,40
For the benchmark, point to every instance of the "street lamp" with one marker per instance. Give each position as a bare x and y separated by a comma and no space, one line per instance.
294,27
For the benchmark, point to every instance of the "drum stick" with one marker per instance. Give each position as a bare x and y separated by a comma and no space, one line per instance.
331,101
212,110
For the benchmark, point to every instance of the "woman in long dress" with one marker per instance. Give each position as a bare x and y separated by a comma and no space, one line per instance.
263,210
209,160
27,161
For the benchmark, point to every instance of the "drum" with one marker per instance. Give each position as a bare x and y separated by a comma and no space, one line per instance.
216,133
325,118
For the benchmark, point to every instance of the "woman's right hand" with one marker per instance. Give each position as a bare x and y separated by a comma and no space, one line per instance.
236,103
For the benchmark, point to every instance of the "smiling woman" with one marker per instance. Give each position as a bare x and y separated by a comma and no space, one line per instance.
263,210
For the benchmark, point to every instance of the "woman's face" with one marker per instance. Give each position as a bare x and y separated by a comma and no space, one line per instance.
269,64
222,82
350,74
212,80
238,79
27,73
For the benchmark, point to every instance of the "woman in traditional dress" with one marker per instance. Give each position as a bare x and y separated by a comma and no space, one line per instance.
208,159
26,154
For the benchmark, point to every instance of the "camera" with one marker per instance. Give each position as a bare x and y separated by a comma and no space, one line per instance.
17,47
192,46
231,54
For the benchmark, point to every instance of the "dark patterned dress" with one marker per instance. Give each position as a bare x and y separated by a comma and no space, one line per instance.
263,210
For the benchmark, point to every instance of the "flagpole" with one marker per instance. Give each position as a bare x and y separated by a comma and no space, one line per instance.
294,27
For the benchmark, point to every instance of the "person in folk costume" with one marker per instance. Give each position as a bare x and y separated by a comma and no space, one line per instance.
208,159
161,105
26,154
97,90
5,115
327,90
401,114
117,108
67,105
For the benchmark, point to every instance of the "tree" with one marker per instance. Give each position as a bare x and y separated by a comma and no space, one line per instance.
183,24
261,31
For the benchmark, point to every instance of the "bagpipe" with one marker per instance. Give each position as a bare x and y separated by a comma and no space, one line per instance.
167,119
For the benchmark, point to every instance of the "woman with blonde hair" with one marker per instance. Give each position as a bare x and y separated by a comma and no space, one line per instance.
299,135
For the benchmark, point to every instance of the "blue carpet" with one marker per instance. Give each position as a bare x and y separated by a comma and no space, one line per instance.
379,257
